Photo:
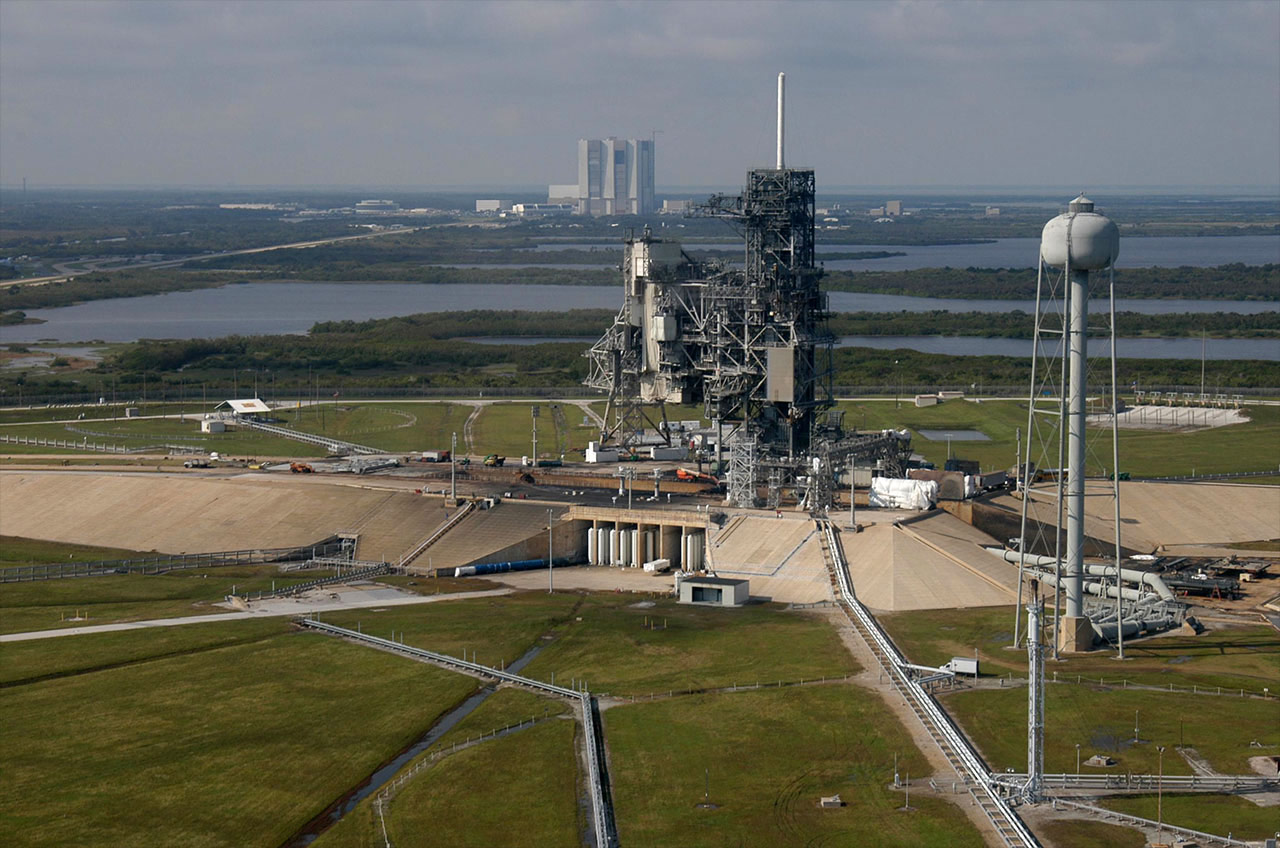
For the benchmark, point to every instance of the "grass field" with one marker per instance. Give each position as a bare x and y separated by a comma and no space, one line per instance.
484,796
1240,447
1218,814
361,827
236,746
767,757
70,655
499,630
144,432
1102,722
700,647
505,706
1230,657
16,550
1091,834
47,604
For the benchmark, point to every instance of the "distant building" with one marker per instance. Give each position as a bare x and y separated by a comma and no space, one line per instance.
993,211
893,208
492,205
563,194
526,209
878,212
376,207
675,207
615,176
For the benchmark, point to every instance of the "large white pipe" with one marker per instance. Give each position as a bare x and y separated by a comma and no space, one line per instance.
782,102
1132,575
1078,350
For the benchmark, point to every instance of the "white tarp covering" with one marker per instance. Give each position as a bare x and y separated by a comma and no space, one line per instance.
903,494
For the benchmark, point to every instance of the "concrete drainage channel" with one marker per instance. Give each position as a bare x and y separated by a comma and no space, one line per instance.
603,824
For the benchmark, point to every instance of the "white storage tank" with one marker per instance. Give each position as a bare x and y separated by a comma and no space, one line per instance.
613,547
592,550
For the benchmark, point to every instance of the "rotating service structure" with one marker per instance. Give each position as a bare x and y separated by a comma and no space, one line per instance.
749,344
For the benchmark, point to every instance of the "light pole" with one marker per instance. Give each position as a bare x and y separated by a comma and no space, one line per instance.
1160,791
948,446
897,376
1135,726
551,581
1077,758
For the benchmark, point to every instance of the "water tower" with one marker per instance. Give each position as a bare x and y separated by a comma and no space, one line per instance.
1078,241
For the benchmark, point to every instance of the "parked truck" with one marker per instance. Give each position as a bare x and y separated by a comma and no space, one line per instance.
435,456
494,461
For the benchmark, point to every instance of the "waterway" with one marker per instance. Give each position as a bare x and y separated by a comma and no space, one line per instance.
276,308
380,778
1156,251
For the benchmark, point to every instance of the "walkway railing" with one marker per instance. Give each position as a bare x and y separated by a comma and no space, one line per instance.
309,438
1195,835
950,740
601,804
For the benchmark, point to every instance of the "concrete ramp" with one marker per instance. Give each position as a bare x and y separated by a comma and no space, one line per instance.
397,524
175,513
1170,514
896,569
493,535
782,557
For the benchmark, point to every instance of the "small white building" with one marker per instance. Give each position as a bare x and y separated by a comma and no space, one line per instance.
714,591
243,408
212,425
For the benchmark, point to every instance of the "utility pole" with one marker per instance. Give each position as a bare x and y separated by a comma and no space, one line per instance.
550,579
453,469
536,411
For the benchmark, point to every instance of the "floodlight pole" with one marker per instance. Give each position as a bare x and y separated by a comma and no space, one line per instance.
453,469
551,582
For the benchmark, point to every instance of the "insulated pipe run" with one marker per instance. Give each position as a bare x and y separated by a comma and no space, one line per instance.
1133,575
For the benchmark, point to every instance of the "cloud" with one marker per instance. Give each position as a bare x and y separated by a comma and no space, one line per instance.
493,93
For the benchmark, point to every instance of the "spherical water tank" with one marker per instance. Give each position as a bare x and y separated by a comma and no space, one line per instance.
1095,239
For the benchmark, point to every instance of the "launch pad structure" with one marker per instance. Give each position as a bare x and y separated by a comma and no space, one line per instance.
750,344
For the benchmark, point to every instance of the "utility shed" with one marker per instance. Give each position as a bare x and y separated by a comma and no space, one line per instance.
714,591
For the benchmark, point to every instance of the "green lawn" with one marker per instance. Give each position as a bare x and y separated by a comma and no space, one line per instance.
1217,814
1091,834
49,604
1239,447
237,746
1102,722
68,655
395,427
16,550
1230,657
506,706
521,790
700,647
767,756
499,629
138,433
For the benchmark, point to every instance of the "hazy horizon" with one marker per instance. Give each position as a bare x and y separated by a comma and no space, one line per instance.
924,96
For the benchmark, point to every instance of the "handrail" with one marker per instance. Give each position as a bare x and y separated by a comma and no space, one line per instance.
898,669
606,836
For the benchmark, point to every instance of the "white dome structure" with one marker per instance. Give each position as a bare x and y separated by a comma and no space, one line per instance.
1094,239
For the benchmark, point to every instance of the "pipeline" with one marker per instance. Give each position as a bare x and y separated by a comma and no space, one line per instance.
1132,575
501,567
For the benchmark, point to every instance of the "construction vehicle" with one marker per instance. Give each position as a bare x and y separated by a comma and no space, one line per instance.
494,461
300,468
694,476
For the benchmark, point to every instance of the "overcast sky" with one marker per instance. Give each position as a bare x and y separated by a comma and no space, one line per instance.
1174,92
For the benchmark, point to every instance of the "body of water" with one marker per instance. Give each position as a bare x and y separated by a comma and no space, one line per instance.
275,308
1155,251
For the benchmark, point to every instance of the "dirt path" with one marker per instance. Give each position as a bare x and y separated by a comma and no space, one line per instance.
873,678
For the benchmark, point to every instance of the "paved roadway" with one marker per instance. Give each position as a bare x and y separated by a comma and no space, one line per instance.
319,601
